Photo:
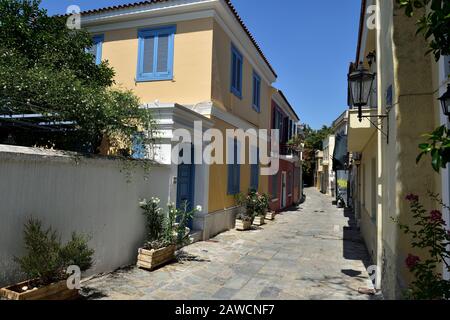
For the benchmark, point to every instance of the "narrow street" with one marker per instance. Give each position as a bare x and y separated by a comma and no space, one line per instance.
311,253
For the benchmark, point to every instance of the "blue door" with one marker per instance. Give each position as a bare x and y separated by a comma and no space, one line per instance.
185,186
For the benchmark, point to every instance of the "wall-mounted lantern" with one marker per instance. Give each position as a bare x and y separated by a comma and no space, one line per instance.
360,83
445,102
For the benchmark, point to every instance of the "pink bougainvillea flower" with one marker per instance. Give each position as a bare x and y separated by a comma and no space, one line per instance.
436,216
412,261
412,197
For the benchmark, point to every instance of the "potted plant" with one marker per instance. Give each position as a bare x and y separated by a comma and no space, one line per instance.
261,209
269,214
244,220
165,232
46,265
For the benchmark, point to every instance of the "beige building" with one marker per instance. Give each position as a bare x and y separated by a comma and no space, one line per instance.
318,171
384,144
329,181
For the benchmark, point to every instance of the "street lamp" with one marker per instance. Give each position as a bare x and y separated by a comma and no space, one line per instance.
445,102
360,84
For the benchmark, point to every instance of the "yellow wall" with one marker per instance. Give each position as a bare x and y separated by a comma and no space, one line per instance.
221,78
367,187
202,58
192,63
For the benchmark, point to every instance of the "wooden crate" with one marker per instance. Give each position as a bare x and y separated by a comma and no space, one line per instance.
151,259
259,221
54,291
243,225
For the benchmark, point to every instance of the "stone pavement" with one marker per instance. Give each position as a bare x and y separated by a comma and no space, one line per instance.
310,253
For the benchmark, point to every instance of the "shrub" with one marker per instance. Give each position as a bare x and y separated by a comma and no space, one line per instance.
251,204
165,229
46,259
430,234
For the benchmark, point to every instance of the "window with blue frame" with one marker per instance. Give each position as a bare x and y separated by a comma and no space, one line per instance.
256,92
96,49
236,72
155,54
254,174
234,171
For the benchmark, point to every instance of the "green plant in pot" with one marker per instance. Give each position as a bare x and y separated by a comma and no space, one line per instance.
250,203
46,263
164,232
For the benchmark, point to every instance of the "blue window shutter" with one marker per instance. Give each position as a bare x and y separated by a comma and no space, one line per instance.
237,180
234,174
148,54
256,92
96,49
254,174
236,72
155,54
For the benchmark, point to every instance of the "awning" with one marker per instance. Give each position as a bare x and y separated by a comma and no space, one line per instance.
340,154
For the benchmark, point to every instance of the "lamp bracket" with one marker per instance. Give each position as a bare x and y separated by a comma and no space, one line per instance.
379,116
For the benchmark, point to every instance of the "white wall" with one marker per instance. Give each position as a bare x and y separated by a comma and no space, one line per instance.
86,195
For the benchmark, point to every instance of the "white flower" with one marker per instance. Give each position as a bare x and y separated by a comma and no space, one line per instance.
156,200
199,208
143,202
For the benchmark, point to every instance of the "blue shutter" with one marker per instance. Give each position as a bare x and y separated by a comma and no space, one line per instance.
254,174
149,54
256,92
236,72
155,55
96,49
234,172
237,169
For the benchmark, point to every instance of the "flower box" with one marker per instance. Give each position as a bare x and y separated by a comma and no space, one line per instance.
53,291
270,215
243,225
151,259
259,221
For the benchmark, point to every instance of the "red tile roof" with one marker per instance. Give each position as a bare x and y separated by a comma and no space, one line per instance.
228,2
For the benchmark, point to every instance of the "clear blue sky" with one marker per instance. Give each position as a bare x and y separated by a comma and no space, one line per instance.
309,43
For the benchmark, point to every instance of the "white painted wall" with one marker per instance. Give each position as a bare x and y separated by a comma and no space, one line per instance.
91,197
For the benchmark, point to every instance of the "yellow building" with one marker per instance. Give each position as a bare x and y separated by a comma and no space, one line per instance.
190,61
318,170
403,106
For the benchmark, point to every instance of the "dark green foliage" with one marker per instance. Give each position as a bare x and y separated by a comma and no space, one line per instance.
433,24
165,229
76,252
438,146
313,141
46,259
154,219
251,203
430,235
45,69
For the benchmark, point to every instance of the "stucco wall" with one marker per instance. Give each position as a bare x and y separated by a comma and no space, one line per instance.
368,222
90,196
221,78
405,66
192,73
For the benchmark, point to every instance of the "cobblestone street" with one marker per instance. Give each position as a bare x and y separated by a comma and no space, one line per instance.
310,253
